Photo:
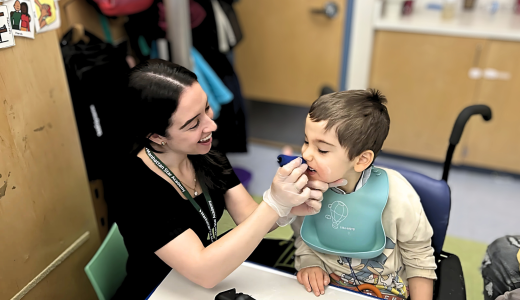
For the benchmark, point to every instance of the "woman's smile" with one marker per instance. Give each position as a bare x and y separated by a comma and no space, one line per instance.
206,140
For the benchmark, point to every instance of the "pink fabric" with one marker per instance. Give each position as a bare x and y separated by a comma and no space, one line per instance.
162,17
197,15
123,7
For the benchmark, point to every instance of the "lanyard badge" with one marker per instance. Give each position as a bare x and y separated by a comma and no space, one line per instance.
212,229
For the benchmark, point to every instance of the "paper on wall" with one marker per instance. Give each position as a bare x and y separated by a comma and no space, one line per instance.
47,14
21,15
6,33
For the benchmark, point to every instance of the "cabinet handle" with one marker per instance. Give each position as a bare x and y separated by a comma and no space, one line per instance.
330,10
475,73
494,74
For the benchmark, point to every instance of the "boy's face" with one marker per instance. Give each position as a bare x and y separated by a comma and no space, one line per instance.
324,154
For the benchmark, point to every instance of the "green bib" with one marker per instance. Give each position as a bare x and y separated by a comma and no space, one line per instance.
350,225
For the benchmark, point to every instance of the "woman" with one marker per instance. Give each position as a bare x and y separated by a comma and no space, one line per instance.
26,18
174,189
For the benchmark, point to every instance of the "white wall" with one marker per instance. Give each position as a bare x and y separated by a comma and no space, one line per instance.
358,71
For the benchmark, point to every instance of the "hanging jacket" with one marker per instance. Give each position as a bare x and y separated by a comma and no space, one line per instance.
218,93
231,135
97,72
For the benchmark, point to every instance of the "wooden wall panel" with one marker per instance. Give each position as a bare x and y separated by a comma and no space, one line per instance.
45,202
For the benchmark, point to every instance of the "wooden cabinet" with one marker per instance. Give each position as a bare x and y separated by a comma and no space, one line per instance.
425,79
496,144
288,53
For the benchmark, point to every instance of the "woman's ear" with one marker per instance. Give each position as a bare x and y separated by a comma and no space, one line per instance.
157,138
364,160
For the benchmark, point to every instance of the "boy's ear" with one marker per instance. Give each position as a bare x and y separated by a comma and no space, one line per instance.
364,160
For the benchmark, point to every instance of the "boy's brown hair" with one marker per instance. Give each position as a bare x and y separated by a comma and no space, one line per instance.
361,118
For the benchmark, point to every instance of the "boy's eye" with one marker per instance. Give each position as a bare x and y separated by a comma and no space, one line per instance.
305,142
321,151
196,125
207,108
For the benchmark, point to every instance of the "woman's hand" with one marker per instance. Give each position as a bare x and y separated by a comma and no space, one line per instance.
314,279
313,205
289,188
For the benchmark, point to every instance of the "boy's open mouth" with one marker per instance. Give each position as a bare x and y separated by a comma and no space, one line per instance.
311,170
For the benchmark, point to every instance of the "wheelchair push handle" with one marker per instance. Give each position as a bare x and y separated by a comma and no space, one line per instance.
458,128
463,118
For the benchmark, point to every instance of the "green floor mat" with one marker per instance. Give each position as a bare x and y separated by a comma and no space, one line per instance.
471,254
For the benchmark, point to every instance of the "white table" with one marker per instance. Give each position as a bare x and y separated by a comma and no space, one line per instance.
259,282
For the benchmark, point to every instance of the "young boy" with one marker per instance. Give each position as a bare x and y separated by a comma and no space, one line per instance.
344,132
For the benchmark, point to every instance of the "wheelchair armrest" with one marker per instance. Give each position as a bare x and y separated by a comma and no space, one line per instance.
450,279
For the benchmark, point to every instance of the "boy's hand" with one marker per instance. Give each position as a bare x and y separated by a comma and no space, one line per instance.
314,279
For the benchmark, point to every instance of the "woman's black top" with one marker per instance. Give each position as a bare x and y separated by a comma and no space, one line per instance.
150,213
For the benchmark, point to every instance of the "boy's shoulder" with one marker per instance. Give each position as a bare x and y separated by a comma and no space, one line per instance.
401,192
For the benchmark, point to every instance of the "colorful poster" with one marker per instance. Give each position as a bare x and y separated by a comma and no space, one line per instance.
47,15
21,15
6,33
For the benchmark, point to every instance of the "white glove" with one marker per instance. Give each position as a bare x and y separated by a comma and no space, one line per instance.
288,188
313,205
284,221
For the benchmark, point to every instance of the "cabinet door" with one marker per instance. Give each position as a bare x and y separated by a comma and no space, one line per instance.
496,144
288,53
425,78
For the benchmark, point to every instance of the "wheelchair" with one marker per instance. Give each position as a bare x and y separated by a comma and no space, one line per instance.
435,198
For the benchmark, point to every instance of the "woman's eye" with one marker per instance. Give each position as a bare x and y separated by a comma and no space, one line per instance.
207,108
196,125
305,142
321,151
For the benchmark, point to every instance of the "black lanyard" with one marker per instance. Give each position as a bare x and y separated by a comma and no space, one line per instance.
160,164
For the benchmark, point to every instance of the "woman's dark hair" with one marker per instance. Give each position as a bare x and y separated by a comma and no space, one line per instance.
154,89
24,8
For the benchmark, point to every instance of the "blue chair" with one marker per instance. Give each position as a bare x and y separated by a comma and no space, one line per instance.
436,200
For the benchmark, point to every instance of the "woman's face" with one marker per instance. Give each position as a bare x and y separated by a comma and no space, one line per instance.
24,8
192,123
